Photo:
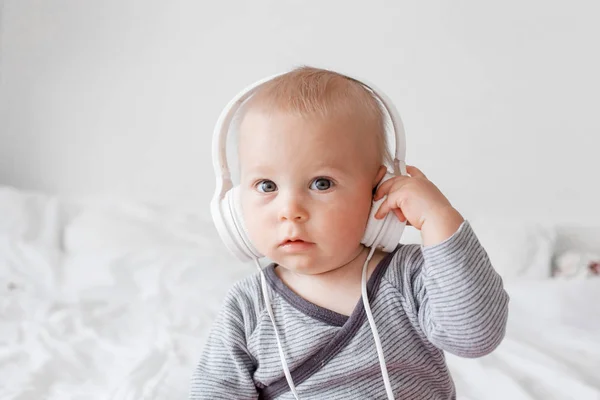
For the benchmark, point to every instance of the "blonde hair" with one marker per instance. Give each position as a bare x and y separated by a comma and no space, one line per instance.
309,91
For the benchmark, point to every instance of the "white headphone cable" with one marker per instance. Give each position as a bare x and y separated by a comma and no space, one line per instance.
384,373
286,370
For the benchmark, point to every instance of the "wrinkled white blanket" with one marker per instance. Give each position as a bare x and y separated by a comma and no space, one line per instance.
115,303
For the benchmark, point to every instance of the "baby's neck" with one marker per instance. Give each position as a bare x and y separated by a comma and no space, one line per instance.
337,290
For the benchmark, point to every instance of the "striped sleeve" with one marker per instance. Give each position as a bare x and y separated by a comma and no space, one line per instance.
458,298
226,367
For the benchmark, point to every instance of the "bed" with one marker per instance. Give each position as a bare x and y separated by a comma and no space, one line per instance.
103,300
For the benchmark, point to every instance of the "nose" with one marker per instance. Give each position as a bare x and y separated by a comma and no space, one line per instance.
292,209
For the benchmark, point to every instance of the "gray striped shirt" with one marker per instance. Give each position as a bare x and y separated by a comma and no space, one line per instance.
425,300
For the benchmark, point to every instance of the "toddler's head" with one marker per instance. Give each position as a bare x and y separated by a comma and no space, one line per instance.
312,147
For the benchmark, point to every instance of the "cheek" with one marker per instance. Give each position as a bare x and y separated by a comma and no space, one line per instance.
349,219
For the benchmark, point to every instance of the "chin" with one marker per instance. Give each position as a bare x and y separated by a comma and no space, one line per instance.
300,264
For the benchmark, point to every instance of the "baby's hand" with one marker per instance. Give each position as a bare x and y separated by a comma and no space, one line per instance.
417,200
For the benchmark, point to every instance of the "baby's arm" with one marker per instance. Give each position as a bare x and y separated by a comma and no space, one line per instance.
455,294
226,367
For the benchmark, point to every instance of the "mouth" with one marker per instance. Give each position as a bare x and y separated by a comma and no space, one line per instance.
295,245
289,241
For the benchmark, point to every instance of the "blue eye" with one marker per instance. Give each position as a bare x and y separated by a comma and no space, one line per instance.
321,184
266,186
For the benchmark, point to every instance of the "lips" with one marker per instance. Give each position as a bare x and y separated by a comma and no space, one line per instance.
295,245
291,241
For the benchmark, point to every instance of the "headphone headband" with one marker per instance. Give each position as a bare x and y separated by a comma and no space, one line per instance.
219,144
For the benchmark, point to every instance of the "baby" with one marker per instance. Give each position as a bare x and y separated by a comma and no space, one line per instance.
312,152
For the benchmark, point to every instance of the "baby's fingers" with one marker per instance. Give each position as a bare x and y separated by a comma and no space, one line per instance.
400,215
391,202
388,186
384,208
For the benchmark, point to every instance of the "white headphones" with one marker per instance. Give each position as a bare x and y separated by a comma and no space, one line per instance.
226,208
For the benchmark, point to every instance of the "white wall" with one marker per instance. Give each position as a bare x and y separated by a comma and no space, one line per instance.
500,99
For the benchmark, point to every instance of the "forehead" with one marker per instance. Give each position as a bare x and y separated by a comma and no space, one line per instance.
288,138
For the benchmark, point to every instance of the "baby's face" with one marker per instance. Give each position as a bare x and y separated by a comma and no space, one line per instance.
306,188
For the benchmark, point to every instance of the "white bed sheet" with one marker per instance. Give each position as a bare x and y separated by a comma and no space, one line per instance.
117,321
551,349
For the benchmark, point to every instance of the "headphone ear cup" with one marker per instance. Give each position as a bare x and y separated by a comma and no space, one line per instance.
238,219
231,227
386,231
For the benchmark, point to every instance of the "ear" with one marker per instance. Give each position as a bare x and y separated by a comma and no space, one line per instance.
380,174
